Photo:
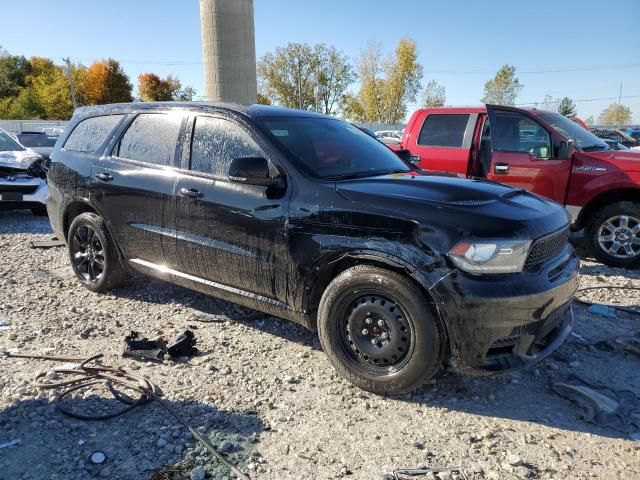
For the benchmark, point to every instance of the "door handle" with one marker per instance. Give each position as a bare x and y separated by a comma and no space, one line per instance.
501,168
104,176
191,193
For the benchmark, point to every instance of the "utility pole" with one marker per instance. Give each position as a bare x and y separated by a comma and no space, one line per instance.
72,86
620,94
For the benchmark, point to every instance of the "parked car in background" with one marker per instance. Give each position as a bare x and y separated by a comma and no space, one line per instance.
616,135
37,141
23,176
389,137
634,133
543,152
615,144
308,218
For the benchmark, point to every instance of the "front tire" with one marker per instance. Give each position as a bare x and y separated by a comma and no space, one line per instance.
93,254
379,331
613,234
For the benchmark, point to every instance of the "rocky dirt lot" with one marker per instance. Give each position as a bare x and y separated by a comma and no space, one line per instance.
262,390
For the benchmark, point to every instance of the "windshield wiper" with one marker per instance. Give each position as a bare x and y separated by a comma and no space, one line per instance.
591,148
364,174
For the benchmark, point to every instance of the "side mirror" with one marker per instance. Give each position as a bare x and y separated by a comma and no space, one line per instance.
252,171
565,149
406,155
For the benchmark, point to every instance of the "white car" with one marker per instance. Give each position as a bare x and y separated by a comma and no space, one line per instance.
389,137
23,177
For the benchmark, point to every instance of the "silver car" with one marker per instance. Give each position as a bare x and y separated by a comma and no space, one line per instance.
23,176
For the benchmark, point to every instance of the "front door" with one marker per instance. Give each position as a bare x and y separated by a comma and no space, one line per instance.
523,154
229,233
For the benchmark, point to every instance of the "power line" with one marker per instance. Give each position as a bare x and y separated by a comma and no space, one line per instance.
551,102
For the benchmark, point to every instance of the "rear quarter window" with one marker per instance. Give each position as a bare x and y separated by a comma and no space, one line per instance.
443,130
151,138
89,134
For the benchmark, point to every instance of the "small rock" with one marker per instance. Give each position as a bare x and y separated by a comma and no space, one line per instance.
602,310
522,471
161,443
574,364
292,379
197,473
226,446
514,460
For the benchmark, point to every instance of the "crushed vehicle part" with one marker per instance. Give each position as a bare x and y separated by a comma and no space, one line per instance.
601,405
141,348
410,473
183,346
90,372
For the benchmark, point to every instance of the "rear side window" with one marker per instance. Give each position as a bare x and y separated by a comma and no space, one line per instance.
89,134
151,138
216,142
443,130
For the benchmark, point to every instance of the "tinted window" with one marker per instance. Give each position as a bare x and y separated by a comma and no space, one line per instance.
443,130
151,138
89,134
8,144
518,133
216,142
333,149
36,140
572,131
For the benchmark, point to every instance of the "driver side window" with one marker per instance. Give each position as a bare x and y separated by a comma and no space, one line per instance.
518,133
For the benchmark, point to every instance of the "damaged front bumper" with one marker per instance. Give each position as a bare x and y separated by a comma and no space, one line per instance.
22,187
499,323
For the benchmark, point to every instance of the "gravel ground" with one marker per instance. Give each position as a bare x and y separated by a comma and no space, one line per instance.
263,391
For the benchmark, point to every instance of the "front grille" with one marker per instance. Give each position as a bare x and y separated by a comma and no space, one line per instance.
547,247
17,188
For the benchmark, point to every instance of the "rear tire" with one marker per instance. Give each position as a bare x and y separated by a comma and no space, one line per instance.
94,257
379,331
612,234
39,211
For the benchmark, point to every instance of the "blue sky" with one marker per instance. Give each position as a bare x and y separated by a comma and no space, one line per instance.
461,43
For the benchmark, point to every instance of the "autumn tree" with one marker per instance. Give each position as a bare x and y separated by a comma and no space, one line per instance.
503,88
386,85
263,99
615,114
106,82
434,95
152,88
567,107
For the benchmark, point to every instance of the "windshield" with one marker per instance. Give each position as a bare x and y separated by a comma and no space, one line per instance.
32,140
331,149
570,130
8,144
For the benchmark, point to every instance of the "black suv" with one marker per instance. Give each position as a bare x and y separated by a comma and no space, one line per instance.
308,218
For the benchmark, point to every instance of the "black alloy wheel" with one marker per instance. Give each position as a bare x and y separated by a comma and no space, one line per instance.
87,254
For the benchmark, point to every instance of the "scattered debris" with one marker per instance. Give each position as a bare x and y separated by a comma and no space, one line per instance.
90,373
11,443
141,348
4,325
410,473
603,406
625,343
53,243
602,310
97,458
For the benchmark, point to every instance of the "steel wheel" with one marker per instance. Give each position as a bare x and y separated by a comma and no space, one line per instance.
619,237
87,254
376,333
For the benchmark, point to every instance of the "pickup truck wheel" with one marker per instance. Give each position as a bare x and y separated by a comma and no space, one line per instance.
93,254
378,331
613,234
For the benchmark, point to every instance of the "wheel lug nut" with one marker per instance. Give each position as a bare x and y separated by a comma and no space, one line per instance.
383,335
373,341
381,323
365,331
368,321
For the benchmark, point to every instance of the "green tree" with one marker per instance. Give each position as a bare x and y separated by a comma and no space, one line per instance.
333,76
434,95
13,74
52,88
289,74
567,107
590,121
503,88
615,114
27,106
386,85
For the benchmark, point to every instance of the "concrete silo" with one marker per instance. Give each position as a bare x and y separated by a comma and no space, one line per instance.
228,50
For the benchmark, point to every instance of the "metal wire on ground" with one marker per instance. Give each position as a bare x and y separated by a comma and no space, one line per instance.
86,375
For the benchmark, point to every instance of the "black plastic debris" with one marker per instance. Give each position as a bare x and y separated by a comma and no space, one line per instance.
141,348
53,243
425,472
601,405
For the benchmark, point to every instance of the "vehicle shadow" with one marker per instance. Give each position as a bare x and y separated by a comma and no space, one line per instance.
143,443
23,221
209,309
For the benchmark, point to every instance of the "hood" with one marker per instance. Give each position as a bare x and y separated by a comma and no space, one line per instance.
470,207
44,152
19,159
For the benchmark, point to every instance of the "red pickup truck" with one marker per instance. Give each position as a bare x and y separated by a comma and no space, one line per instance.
543,152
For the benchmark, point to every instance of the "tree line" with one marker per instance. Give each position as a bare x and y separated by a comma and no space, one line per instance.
307,77
38,88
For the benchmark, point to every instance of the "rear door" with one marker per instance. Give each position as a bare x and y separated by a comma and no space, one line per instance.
523,154
229,233
133,187
444,141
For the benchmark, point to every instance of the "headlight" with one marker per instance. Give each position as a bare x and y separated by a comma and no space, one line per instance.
490,256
